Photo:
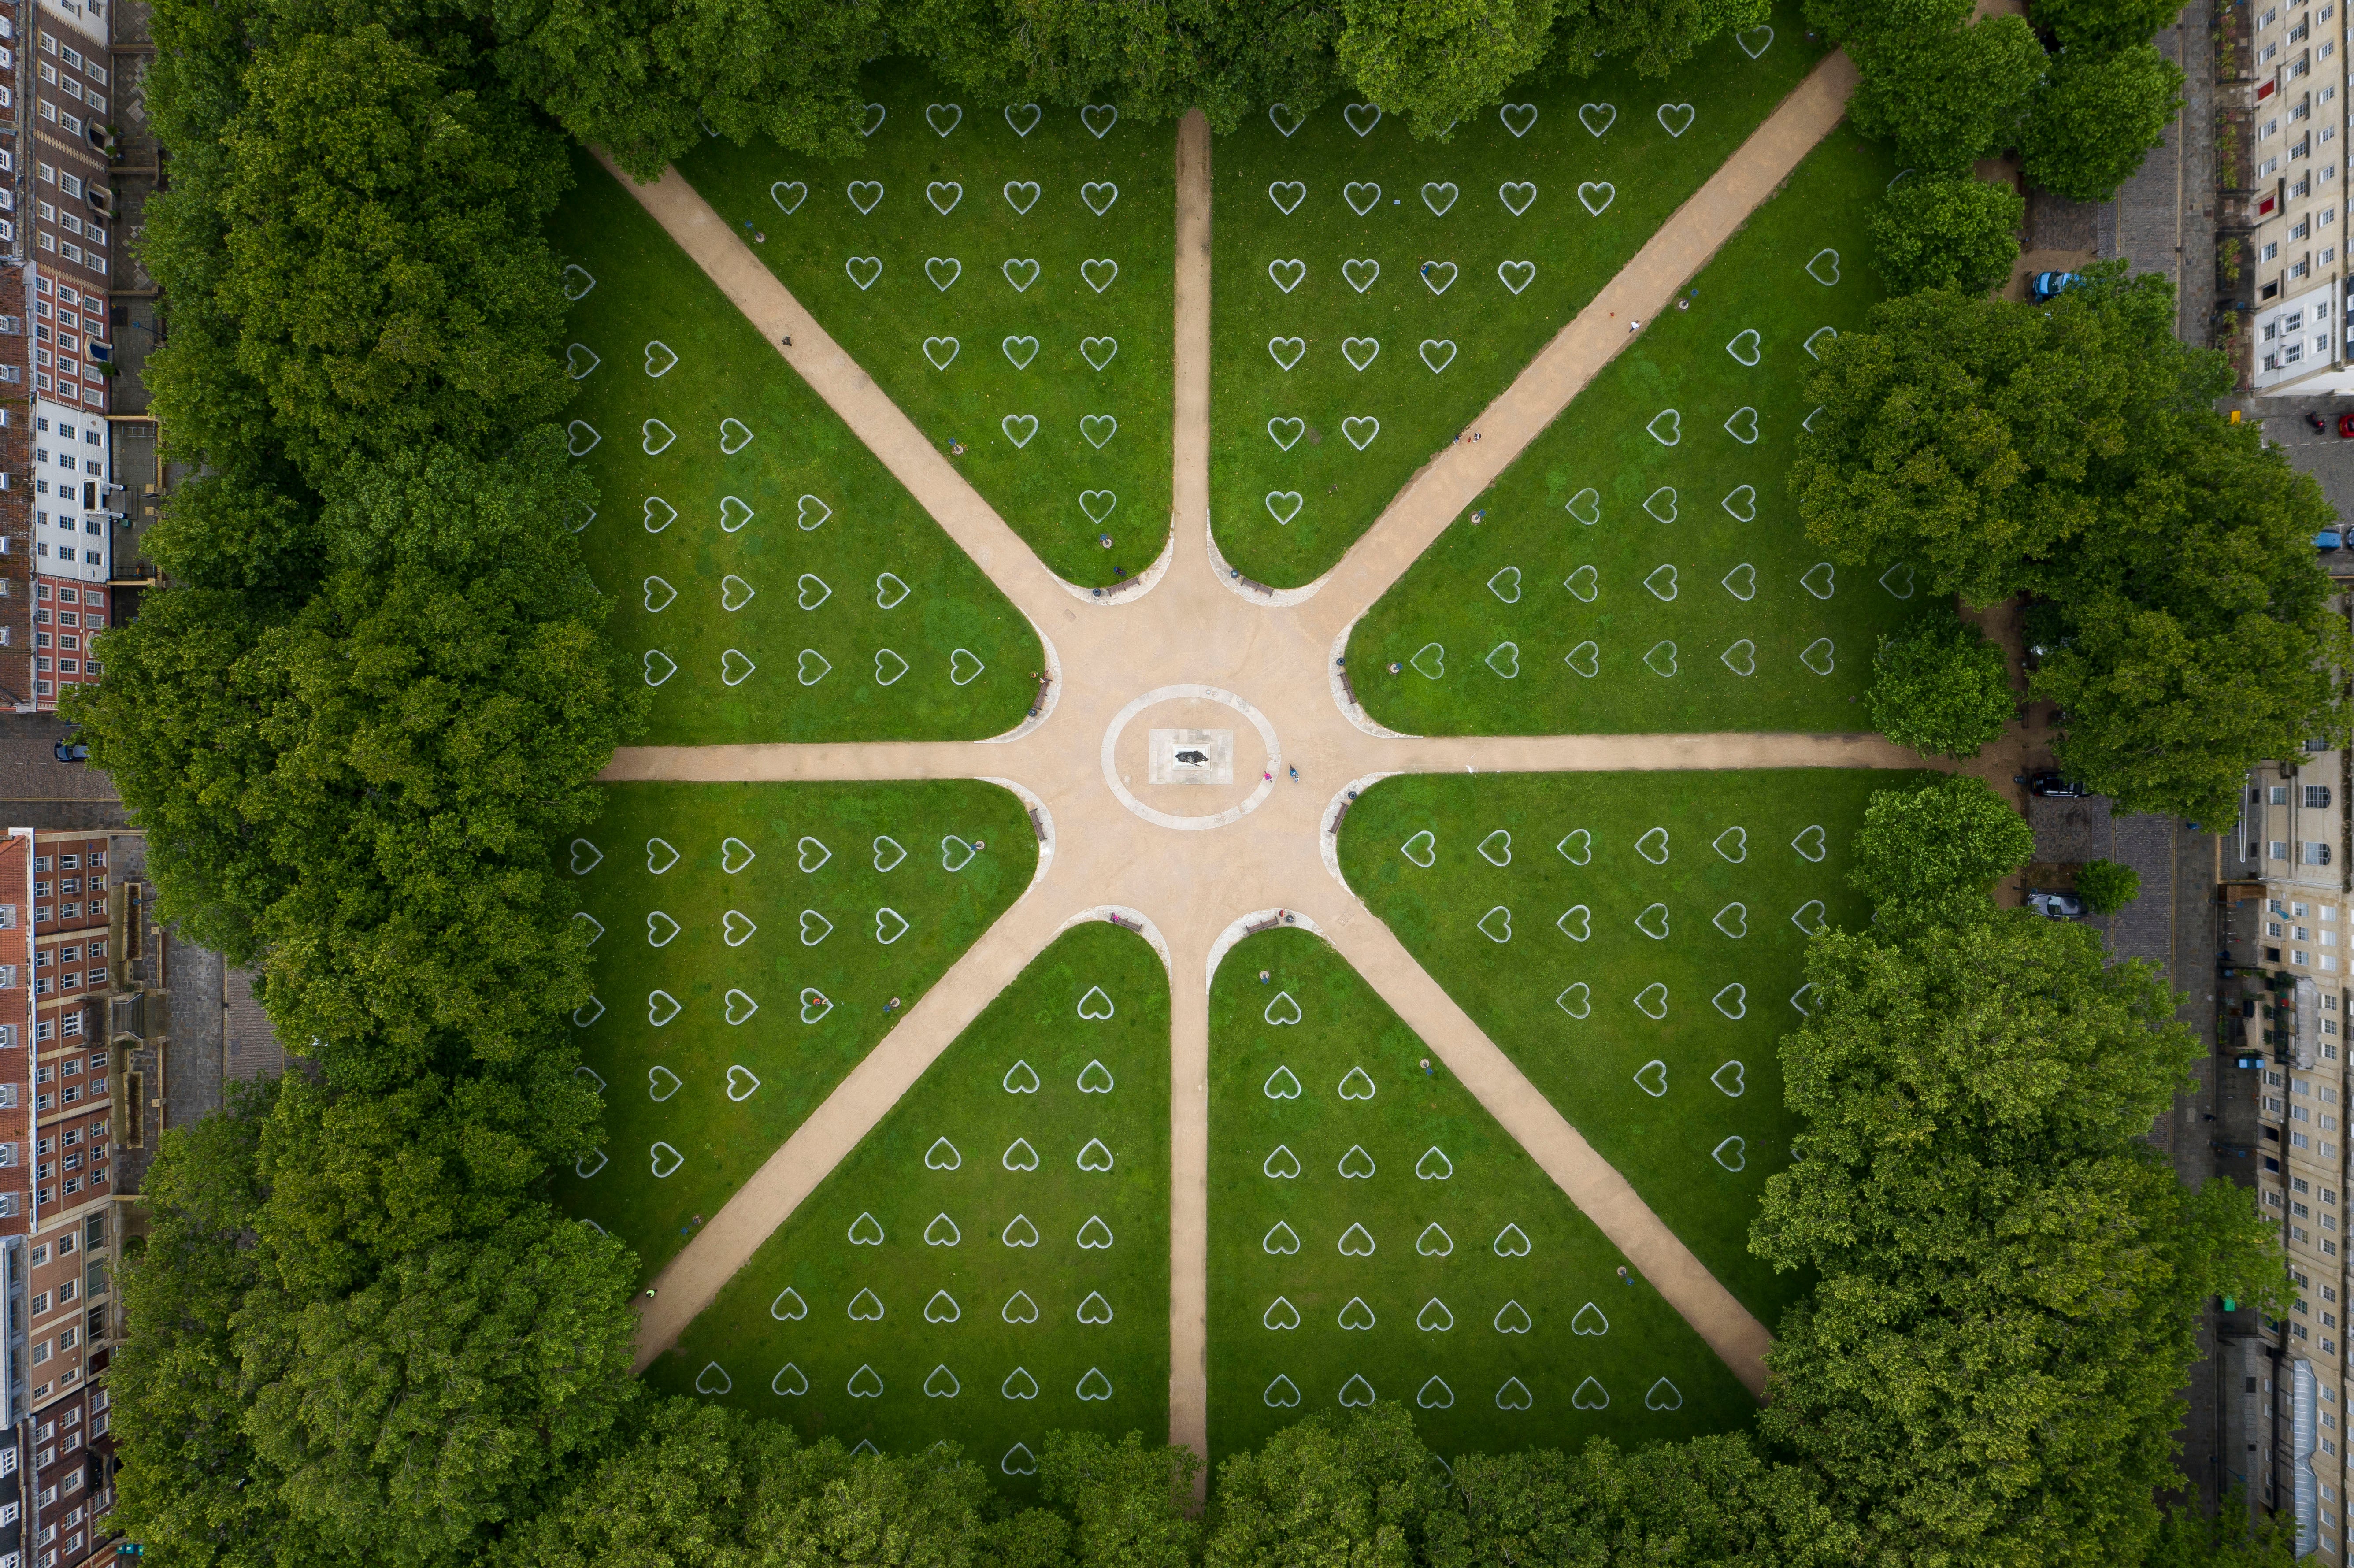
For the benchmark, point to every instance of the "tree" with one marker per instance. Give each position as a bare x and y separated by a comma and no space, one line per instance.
1943,89
2009,1277
381,259
2107,887
366,794
1130,1500
1938,846
1656,36
1940,685
1937,231
1355,1489
646,79
2102,27
1437,64
2095,120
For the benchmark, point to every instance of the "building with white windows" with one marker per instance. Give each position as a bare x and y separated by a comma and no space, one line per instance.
2281,224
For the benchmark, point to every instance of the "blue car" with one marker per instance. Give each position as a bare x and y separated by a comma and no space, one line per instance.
2329,539
2046,285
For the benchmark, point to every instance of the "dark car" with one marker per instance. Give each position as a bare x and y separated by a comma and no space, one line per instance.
2057,787
69,751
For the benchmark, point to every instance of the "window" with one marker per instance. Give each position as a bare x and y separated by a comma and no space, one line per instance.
2313,852
2317,796
2275,850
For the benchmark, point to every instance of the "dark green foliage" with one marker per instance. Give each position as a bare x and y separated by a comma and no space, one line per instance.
2107,887
2010,1277
1937,847
2072,450
1945,89
1129,1499
645,81
366,794
1357,1489
2100,27
1947,232
1940,685
2095,120
1659,35
1437,64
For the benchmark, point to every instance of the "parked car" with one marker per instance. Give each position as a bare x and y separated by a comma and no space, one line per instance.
2329,539
2046,285
2057,787
2345,426
69,751
2056,906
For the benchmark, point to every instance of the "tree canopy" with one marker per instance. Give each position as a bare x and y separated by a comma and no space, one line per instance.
1940,685
1946,232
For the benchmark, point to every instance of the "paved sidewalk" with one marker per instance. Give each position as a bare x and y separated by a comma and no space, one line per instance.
1275,666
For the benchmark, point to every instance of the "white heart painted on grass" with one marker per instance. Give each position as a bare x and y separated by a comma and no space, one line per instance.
1753,51
809,592
1586,659
1746,346
1103,266
661,359
1020,350
1020,194
1429,661
1661,660
1361,196
889,926
1427,842
1585,583
1286,431
1653,922
1729,1079
661,1008
1360,272
659,593
1020,271
794,188
659,666
654,438
1819,656
1741,501
1667,427
1438,195
1815,267
1519,119
1676,119
742,1082
1898,579
1586,506
1438,276
1286,351
1506,584
889,666
940,351
1732,1153
1351,347
1578,1001
871,119
1594,195
1438,353
1098,352
1733,920
815,1004
1742,426
1287,274
964,668
1022,117
944,195
943,270
580,359
1097,503
1497,930
944,118
865,194
1284,119
1090,424
1818,335
1652,1002
1362,118
1099,195
736,667
1517,195
1360,429
1286,195
1283,505
1651,1078
1019,429
889,591
1741,582
1099,118
1516,275
1821,579
1504,659
1577,923
807,847
736,927
1741,657
1661,582
813,666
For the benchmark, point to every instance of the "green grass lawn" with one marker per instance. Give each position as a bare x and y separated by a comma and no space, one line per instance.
792,590
1699,939
992,1262
1621,584
1328,1137
1482,332
712,935
1058,313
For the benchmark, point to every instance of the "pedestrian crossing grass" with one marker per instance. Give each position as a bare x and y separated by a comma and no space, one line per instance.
1606,161
1633,1031
735,988
992,1263
1622,582
1375,1233
790,590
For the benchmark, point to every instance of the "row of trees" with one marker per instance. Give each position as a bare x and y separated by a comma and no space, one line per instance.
2071,452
